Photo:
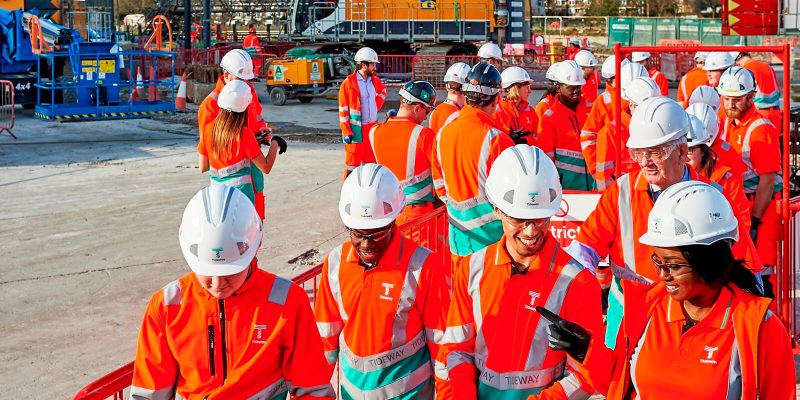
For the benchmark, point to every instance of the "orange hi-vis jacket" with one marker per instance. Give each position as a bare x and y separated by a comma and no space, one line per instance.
250,41
768,89
600,115
589,90
384,324
443,114
412,167
760,362
693,79
755,138
496,344
559,138
729,157
350,105
209,109
253,344
465,151
522,116
544,104
661,81
607,152
613,229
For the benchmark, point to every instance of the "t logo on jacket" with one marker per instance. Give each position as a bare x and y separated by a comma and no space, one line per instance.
386,288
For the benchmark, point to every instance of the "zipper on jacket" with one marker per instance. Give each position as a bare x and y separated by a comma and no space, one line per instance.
211,365
223,340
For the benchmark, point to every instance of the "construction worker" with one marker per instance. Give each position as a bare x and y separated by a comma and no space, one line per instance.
382,299
514,114
716,64
496,340
465,152
237,65
768,90
703,331
599,116
447,110
646,59
723,152
228,329
560,128
657,143
549,95
756,140
251,40
413,163
588,63
361,96
492,54
573,47
694,78
231,149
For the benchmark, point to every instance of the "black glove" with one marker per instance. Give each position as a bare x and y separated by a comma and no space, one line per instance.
281,143
566,335
262,139
347,139
755,222
519,136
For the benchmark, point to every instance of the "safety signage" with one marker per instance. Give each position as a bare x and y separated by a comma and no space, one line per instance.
574,209
106,66
315,75
750,17
279,70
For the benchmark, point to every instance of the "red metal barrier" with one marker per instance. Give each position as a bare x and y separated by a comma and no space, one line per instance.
7,107
793,250
431,229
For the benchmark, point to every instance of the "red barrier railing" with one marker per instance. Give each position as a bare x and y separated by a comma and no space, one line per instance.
430,229
793,250
7,107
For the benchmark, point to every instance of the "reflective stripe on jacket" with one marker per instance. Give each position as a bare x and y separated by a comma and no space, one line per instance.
412,167
599,116
559,138
350,105
497,344
252,345
466,150
442,115
381,323
755,139
661,81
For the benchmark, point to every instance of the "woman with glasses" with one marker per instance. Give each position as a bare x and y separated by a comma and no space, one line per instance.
701,331
514,114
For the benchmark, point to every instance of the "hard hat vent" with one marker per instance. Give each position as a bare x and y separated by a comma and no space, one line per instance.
680,228
387,208
553,195
193,249
509,197
347,209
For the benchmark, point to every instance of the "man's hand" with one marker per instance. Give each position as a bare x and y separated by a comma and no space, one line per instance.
566,335
281,143
347,139
519,136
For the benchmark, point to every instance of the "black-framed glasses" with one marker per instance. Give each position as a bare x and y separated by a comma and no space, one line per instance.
374,236
672,269
523,223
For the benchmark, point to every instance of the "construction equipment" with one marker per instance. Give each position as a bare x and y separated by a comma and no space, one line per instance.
299,78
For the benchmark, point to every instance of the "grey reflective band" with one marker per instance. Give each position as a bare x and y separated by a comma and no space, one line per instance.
382,360
138,393
626,222
280,291
271,391
172,294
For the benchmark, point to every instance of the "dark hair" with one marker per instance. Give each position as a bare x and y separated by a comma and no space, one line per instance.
709,160
551,91
716,265
455,86
479,100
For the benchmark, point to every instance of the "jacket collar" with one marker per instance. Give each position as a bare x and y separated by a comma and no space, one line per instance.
718,317
543,261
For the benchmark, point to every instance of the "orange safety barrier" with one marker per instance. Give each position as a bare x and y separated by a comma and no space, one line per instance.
431,229
7,107
784,290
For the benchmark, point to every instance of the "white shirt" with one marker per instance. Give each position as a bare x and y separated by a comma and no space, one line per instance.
366,90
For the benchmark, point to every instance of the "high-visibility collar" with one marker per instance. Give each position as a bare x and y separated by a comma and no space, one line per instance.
750,115
402,119
474,112
453,103
719,317
541,262
390,257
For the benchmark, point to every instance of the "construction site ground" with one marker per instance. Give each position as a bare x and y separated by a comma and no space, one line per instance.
89,224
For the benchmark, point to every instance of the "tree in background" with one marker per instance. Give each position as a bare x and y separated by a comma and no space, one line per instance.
604,8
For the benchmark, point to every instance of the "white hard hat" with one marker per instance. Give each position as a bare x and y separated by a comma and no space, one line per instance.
551,72
371,198
656,121
734,54
641,89
457,73
524,183
235,96
585,58
628,73
708,116
575,40
736,82
608,70
697,133
490,50
220,231
238,63
569,73
689,213
718,61
638,56
705,95
512,75
366,54
701,55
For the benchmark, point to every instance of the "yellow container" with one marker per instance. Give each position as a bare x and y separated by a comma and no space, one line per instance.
556,49
295,72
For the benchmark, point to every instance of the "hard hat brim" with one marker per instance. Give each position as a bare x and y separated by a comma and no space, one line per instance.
210,269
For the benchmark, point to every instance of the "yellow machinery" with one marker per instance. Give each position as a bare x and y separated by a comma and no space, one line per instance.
301,79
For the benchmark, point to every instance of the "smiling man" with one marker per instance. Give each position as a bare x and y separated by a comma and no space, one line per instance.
496,342
382,299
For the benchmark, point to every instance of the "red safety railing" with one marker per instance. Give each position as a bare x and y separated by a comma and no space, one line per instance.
430,229
7,107
792,249
784,292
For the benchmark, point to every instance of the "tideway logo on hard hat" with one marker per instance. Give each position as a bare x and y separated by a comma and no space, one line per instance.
656,225
533,196
218,254
365,211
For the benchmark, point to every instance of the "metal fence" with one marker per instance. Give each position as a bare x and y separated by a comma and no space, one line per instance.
7,107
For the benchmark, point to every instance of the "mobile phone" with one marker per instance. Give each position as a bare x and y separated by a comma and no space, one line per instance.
548,315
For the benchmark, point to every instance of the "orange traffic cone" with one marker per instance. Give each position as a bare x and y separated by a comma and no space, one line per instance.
152,94
139,92
180,99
